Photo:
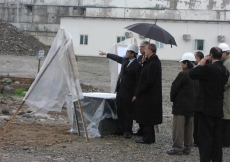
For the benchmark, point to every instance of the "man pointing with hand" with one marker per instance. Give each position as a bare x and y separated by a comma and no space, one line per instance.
126,89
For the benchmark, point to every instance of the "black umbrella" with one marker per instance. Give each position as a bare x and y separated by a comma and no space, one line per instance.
152,31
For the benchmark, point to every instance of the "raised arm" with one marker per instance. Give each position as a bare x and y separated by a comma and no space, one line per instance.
113,57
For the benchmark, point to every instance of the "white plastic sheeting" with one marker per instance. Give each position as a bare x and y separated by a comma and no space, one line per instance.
96,107
57,78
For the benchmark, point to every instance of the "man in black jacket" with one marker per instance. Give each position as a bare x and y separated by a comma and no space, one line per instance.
209,105
198,55
126,89
183,94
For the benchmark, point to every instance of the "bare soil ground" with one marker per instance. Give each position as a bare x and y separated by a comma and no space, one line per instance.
41,140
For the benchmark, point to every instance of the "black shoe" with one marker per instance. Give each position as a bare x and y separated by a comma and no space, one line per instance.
128,136
138,134
174,152
186,152
142,141
195,145
117,133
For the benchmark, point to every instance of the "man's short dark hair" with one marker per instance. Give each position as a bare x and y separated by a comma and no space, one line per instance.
200,54
216,53
152,47
135,54
145,43
189,64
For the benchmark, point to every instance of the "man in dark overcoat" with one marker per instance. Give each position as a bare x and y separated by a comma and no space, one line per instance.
148,106
209,105
141,59
126,89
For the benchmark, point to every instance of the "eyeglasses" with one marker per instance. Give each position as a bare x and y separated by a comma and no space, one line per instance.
142,46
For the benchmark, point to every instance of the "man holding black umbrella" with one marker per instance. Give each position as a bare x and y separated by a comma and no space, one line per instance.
141,59
148,106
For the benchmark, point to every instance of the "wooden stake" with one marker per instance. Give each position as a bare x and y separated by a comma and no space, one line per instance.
39,60
83,121
79,103
11,120
76,118
156,128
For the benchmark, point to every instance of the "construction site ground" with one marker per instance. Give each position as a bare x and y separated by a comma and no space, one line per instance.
48,140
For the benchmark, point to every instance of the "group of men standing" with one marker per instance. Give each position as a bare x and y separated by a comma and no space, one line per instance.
200,95
203,90
139,92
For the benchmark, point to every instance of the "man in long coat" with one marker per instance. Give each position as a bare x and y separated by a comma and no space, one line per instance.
209,105
148,106
141,59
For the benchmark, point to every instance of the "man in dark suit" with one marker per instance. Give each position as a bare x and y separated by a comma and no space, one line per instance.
141,59
126,89
209,105
198,55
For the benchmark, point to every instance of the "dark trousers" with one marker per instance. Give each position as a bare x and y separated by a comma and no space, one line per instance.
140,130
149,133
225,133
196,121
125,115
209,138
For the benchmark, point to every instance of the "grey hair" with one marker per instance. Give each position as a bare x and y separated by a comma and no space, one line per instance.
145,43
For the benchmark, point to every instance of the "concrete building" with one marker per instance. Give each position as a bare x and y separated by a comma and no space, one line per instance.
91,34
103,21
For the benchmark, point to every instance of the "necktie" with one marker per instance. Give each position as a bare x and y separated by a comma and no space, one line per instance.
126,64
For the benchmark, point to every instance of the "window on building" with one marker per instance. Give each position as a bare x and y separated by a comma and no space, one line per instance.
29,8
159,44
119,39
82,10
84,39
199,44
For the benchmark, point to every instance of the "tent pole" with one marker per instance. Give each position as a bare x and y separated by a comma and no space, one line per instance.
11,120
83,121
79,103
75,111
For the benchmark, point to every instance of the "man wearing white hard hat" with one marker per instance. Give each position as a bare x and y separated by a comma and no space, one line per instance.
182,94
209,104
126,89
226,119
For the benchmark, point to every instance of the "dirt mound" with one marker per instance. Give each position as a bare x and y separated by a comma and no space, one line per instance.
90,88
14,41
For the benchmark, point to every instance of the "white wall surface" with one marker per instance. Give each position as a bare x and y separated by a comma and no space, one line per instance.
102,35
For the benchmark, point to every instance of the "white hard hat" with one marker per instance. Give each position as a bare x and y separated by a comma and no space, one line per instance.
132,47
224,47
188,56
